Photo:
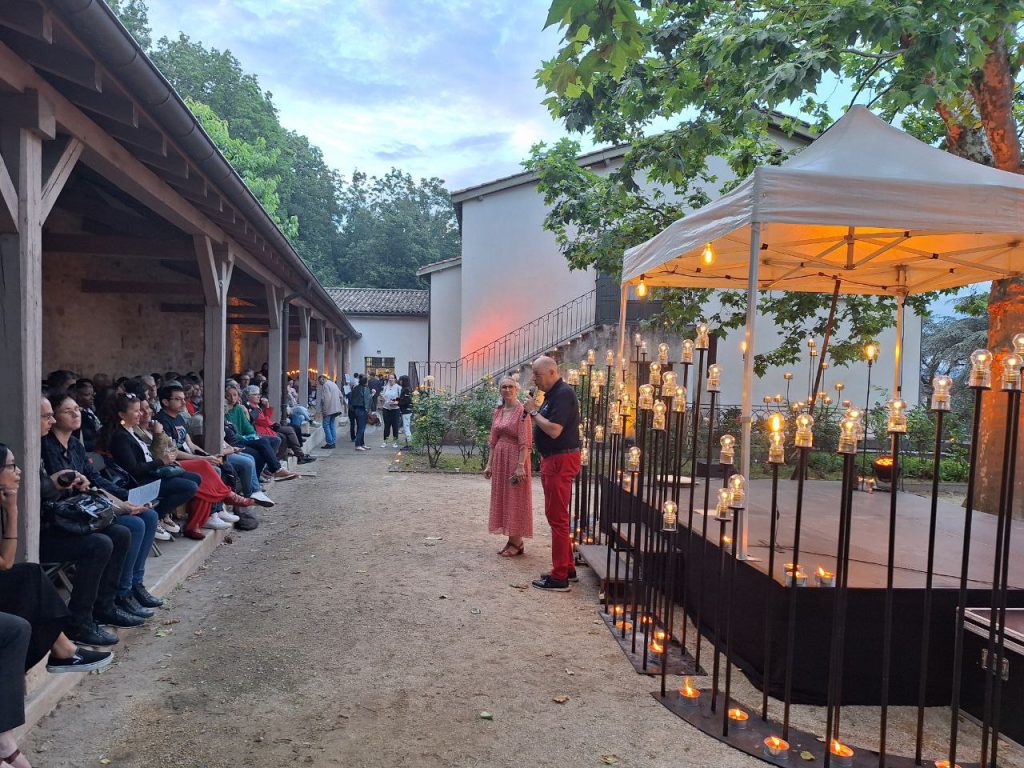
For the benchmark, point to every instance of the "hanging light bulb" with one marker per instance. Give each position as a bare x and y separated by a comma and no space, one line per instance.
658,422
941,386
849,430
633,459
1011,373
668,382
679,401
727,453
714,378
981,369
669,516
804,437
686,356
707,256
703,340
641,288
646,399
776,439
738,491
897,422
663,353
655,378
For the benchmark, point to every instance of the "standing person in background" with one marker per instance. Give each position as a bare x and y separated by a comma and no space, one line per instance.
556,432
405,408
330,401
508,468
359,401
392,417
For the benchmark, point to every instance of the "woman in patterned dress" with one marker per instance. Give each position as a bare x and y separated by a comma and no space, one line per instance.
508,468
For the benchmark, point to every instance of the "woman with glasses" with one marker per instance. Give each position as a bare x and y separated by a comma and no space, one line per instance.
63,451
508,468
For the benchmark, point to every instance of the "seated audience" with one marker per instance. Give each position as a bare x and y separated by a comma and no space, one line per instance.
243,434
261,415
85,395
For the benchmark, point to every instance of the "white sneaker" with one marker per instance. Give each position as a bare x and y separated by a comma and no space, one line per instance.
161,534
170,526
216,524
395,445
360,447
383,445
262,499
228,517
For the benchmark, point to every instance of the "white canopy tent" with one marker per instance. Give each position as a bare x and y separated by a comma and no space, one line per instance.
866,205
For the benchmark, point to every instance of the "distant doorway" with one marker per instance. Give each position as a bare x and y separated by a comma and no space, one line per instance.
379,366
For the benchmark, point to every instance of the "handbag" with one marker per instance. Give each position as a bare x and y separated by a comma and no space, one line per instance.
372,418
168,471
81,514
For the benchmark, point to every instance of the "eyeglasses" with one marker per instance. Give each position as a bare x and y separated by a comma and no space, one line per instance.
48,416
11,465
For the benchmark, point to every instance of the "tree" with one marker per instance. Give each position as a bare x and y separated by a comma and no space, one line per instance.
134,14
718,69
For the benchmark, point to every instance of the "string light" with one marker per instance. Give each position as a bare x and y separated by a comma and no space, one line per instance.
641,289
707,256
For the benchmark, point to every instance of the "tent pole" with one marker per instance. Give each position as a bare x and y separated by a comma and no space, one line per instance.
624,296
748,376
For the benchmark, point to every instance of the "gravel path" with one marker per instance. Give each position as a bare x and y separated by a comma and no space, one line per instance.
368,622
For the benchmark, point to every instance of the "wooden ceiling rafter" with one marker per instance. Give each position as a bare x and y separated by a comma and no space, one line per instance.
27,17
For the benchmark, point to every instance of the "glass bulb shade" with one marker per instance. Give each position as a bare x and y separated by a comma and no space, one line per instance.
714,378
839,386
637,339
811,343
703,340
643,348
686,356
849,432
591,357
787,376
659,415
727,453
724,499
981,369
633,459
1018,344
777,398
776,423
668,382
738,489
707,255
595,390
584,456
663,353
613,411
814,352
617,426
645,400
804,437
870,352
897,421
766,399
941,393
1011,373
655,378
582,428
572,377
669,516
599,433
609,358
826,400
641,288
599,378
846,403
679,401
777,448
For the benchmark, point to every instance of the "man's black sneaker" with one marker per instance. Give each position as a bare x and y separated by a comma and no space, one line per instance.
328,445
551,585
116,616
572,576
129,604
307,459
147,600
83,660
90,633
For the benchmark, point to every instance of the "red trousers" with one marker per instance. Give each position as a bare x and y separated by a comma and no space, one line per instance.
211,490
556,476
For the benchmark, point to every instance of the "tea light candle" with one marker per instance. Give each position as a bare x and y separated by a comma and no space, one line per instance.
738,718
655,647
800,578
619,612
776,747
689,695
944,764
842,755
825,578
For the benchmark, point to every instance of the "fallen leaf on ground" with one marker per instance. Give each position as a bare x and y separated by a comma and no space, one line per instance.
610,759
162,632
518,586
486,716
560,699
805,755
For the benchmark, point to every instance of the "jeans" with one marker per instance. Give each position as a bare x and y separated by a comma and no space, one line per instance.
175,491
392,421
407,427
15,633
556,475
330,433
351,424
142,528
299,416
98,559
245,467
261,450
360,417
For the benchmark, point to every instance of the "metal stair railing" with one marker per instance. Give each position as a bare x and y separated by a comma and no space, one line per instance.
514,349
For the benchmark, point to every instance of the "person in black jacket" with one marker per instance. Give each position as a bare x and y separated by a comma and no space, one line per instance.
405,407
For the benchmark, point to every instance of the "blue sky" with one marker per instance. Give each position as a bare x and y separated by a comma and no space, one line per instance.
435,87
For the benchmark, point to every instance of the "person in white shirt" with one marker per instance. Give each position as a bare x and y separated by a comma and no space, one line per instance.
392,415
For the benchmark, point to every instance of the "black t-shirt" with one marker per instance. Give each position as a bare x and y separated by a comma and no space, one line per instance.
175,428
560,407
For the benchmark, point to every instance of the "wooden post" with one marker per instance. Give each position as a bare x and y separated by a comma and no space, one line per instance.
303,313
321,343
27,120
275,365
216,263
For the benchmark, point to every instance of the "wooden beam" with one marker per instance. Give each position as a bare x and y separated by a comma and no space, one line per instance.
141,287
30,110
27,17
208,200
115,245
171,162
8,201
67,65
59,175
191,308
107,104
138,136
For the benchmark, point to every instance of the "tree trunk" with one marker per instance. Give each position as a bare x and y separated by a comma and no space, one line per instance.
1005,319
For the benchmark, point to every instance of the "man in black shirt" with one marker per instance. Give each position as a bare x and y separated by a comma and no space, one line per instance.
556,435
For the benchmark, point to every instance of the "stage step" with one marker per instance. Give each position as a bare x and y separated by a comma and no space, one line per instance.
596,556
627,535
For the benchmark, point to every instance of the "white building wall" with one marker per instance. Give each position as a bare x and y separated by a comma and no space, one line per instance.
403,338
446,314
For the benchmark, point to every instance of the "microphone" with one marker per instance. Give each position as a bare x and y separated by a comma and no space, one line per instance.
531,392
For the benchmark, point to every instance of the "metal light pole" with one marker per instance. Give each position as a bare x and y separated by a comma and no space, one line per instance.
871,353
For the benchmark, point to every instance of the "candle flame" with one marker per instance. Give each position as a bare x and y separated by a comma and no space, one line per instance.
776,742
688,690
823,573
838,748
737,714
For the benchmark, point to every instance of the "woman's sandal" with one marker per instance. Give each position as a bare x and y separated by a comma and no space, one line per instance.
512,550
9,760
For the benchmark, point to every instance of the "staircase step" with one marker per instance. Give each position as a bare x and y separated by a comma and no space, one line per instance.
596,556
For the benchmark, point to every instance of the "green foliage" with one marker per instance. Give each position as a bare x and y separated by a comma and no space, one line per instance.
715,71
946,346
431,422
135,16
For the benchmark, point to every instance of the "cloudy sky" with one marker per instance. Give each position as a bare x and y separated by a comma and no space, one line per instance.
435,87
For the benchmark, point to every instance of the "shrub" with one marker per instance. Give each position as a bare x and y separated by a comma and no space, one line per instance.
431,422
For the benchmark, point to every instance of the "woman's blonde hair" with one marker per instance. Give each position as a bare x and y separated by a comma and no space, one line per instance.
508,379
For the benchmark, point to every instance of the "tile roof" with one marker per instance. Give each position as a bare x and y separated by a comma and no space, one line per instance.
381,301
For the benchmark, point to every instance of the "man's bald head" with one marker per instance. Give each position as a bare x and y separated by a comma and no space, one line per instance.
545,372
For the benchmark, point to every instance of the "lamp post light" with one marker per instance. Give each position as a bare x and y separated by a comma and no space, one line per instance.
870,354
788,376
812,352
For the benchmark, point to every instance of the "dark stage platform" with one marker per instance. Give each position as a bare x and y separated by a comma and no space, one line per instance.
759,599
